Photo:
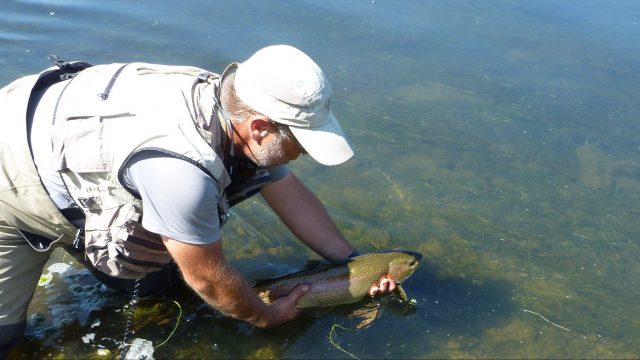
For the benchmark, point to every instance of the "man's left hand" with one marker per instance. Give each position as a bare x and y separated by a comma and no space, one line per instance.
385,286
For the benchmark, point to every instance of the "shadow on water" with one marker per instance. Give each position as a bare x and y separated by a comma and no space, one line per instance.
461,306
443,308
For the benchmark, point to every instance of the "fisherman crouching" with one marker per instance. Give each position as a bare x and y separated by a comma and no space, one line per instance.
85,150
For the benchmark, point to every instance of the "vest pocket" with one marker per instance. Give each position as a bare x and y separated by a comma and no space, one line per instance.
118,245
78,145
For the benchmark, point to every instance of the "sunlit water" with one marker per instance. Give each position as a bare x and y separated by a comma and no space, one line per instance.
499,138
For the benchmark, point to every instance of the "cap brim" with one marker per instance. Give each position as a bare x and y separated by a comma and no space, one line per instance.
326,144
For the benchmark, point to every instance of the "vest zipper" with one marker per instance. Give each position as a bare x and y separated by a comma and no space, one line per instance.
105,94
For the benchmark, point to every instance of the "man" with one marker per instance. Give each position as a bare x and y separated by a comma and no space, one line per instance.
104,144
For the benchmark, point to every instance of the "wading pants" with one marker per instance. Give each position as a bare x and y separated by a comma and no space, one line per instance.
20,269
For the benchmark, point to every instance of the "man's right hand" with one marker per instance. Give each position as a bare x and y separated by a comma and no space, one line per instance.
283,309
223,287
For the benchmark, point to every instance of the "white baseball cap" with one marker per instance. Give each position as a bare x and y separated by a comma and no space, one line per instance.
284,84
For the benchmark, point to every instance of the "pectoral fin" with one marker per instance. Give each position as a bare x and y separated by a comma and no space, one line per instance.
403,295
366,315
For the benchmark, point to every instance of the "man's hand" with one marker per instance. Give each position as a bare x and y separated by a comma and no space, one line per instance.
386,285
223,287
283,309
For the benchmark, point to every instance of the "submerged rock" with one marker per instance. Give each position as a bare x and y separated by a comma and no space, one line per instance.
88,338
140,349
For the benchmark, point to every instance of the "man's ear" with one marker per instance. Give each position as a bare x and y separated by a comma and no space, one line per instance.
260,128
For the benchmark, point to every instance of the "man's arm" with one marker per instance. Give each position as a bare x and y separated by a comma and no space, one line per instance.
223,287
306,217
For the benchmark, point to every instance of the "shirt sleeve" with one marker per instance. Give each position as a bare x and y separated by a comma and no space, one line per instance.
179,200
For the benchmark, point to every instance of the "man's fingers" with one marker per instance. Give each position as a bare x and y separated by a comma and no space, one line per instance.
385,286
285,308
297,293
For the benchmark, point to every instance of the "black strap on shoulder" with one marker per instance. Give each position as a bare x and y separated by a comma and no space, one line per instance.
65,70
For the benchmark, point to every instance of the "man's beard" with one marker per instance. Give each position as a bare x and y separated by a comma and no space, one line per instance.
272,153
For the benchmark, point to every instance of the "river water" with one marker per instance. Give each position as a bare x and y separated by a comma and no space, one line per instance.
499,138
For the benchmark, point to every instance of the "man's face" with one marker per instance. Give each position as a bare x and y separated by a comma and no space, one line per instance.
278,150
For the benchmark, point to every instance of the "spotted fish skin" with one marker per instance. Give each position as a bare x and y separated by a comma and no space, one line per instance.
341,283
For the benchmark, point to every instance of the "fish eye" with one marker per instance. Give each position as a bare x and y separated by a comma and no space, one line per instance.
412,263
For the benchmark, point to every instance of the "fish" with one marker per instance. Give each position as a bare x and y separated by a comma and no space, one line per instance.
346,282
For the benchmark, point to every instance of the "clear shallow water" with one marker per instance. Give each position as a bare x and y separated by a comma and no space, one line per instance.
499,138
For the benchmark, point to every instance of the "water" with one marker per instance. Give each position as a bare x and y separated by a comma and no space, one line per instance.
499,138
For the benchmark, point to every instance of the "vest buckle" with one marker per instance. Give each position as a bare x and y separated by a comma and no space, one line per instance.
58,61
204,76
90,203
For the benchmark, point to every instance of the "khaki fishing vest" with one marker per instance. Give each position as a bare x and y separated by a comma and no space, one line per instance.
104,116
24,203
107,114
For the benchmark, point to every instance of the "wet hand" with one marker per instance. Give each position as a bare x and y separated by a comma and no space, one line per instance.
385,286
283,309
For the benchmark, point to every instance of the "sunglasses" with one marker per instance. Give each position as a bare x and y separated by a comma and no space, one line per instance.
290,135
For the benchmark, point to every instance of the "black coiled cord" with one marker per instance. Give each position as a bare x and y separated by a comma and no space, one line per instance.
128,328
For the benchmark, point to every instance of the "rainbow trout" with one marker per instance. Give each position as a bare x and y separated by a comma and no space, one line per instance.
342,283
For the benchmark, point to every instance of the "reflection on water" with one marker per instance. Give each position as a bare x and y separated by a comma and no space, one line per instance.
500,139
